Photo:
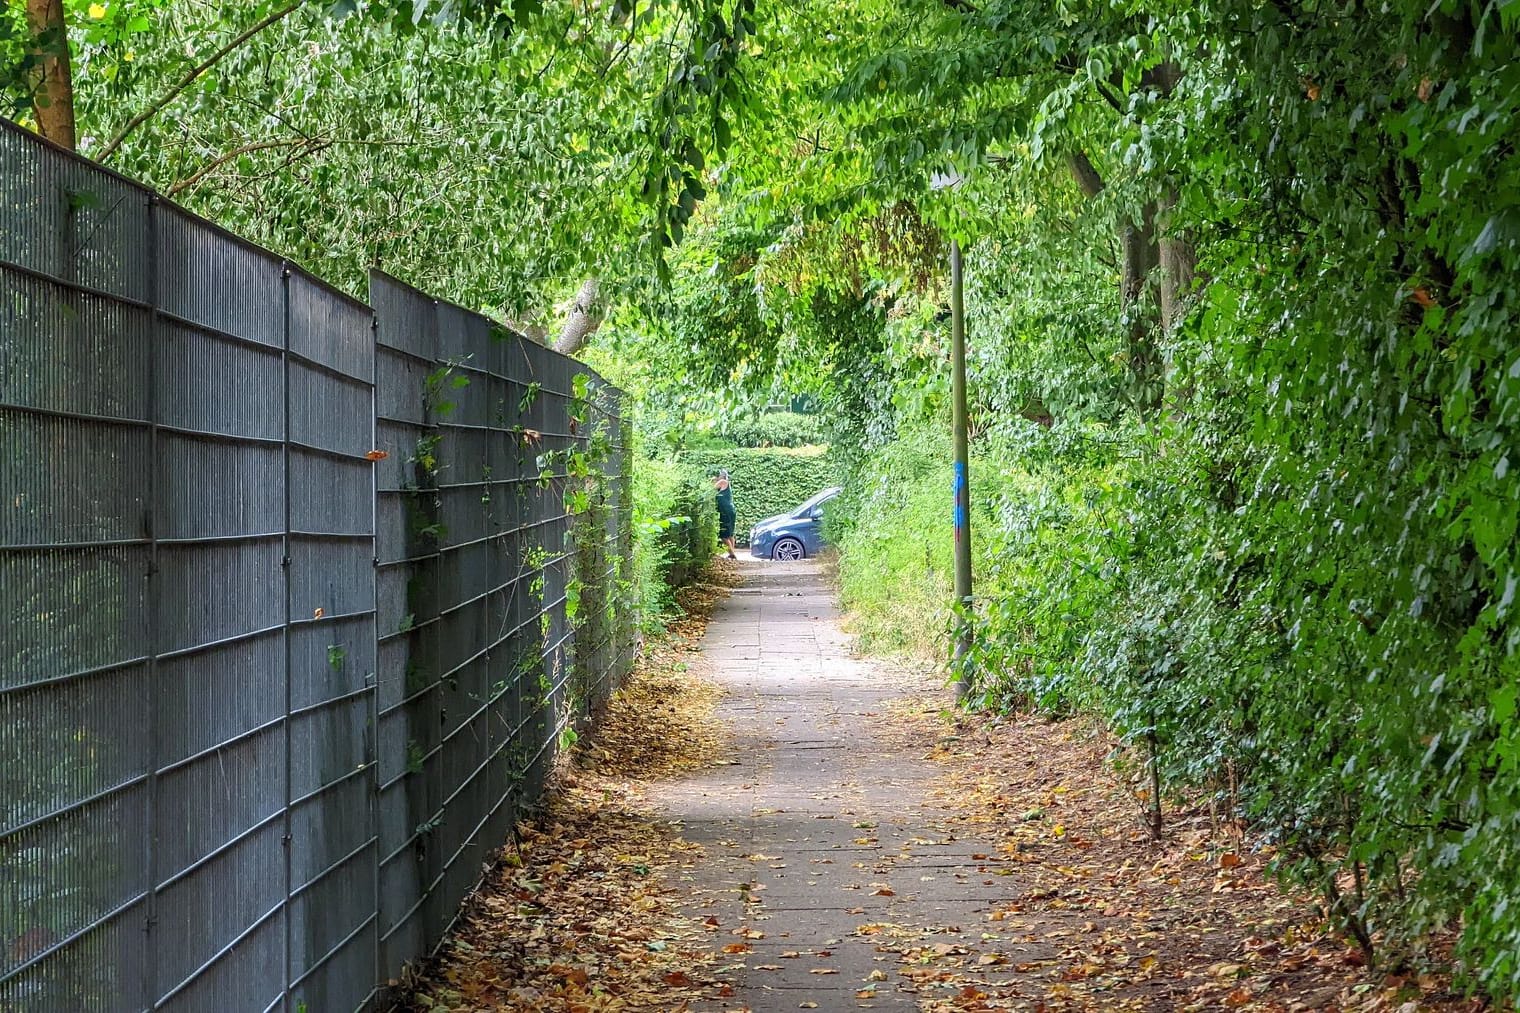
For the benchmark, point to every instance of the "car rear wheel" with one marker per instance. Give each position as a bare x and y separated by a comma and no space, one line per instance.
788,549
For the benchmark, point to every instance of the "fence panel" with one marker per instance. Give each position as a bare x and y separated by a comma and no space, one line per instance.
477,623
267,704
76,489
331,821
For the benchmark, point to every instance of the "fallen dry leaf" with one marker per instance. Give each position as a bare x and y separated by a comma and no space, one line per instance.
580,909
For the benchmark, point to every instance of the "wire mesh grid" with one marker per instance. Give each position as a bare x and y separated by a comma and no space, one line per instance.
480,504
265,704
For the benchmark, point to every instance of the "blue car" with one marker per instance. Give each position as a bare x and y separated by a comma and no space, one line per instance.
795,535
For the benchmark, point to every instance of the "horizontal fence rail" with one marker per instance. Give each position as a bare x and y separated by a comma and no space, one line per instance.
300,598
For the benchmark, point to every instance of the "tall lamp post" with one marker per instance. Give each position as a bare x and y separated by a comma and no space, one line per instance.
962,481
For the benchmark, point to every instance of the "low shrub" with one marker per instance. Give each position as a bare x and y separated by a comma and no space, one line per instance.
891,527
675,532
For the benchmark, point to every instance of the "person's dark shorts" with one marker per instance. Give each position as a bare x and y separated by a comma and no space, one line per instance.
725,525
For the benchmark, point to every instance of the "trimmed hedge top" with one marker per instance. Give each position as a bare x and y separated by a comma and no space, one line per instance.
776,429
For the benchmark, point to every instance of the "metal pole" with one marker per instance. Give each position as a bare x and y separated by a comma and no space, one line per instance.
152,853
962,471
287,835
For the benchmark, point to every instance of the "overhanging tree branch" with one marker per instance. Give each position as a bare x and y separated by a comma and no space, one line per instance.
1086,176
227,156
301,145
190,78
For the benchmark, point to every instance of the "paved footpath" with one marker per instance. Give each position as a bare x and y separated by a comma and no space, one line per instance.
821,854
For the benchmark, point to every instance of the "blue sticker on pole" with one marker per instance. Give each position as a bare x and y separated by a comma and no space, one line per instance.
960,498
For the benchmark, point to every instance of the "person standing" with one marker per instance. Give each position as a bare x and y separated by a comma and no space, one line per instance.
726,511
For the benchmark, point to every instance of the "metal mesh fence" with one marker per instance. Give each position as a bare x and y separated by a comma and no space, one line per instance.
267,706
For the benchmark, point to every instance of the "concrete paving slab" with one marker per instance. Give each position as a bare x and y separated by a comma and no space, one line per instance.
819,838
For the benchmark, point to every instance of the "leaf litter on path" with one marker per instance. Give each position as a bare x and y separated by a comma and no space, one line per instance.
1100,917
578,914
1092,916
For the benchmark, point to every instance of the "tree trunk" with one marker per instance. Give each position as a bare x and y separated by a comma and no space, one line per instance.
1083,172
1142,253
1178,264
1173,254
53,82
1141,256
584,319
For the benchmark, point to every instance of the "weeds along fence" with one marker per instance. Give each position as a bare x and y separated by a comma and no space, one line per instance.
268,703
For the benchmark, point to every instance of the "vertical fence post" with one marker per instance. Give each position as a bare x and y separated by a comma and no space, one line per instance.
287,653
150,821
963,598
491,359
379,972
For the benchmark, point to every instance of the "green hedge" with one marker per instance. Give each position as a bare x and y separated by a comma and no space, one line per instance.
776,429
766,480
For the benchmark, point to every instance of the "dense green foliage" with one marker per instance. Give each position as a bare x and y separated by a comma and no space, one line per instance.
776,429
895,560
1041,544
494,153
766,480
1246,390
1243,288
